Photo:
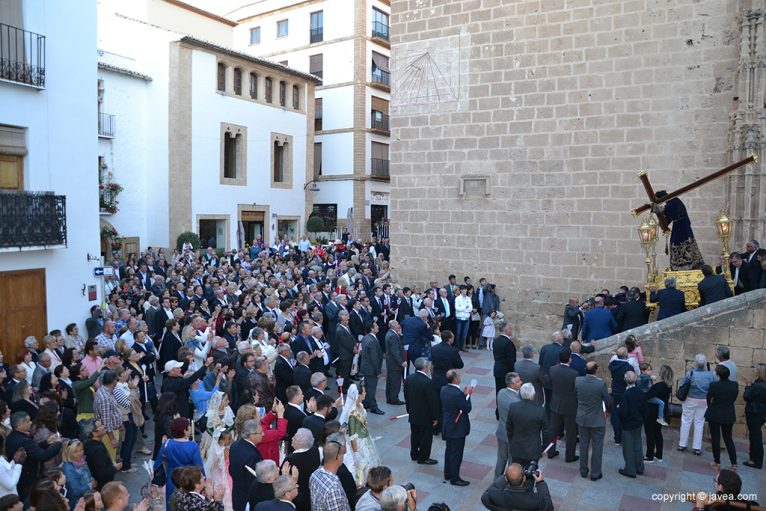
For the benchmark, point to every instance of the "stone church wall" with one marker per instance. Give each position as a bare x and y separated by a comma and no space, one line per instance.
518,128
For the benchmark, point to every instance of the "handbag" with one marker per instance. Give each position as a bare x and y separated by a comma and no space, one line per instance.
160,478
683,390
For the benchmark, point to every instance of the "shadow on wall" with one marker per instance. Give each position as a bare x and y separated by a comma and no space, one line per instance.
738,322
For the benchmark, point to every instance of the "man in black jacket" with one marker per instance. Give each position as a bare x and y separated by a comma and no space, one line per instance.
294,413
302,371
99,461
513,491
21,438
316,421
444,356
345,347
564,404
456,404
180,386
422,401
283,372
504,353
633,313
632,410
712,288
395,363
244,453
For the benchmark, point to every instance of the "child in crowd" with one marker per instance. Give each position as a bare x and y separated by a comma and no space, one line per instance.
645,382
488,332
634,350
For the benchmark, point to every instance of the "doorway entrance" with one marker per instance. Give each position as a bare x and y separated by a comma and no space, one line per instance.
379,220
253,225
287,228
23,309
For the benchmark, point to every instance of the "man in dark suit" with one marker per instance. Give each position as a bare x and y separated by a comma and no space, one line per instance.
285,490
305,458
356,320
456,404
318,387
345,347
405,308
712,288
671,300
632,313
371,366
531,372
244,453
283,371
294,413
417,335
395,363
504,353
505,398
592,397
573,315
316,422
549,357
526,426
632,410
302,372
720,414
161,317
577,362
564,404
751,275
445,307
303,342
422,400
21,438
445,356
599,322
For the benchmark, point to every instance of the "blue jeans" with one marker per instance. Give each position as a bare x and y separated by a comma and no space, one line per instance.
126,450
461,331
660,406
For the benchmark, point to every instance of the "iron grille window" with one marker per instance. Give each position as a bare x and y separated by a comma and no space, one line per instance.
22,56
32,219
328,213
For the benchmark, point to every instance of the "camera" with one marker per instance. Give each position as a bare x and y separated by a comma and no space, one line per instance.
408,486
531,470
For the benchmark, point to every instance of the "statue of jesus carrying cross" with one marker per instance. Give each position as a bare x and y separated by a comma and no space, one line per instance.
684,251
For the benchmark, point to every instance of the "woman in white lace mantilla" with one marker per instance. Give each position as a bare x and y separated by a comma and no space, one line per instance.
361,452
215,443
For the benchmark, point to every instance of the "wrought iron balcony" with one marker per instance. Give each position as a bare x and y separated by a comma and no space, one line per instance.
379,168
379,121
380,30
32,219
22,56
381,77
317,35
106,125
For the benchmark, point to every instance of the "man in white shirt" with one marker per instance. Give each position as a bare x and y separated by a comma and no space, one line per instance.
463,308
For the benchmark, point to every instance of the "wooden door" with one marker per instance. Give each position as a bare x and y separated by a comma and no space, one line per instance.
23,310
130,245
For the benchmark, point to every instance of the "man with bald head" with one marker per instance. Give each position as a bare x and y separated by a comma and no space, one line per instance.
632,411
514,490
456,405
618,366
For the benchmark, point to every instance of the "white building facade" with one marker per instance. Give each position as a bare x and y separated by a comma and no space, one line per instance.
207,139
49,232
346,43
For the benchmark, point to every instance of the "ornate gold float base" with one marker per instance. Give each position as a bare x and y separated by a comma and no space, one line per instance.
686,281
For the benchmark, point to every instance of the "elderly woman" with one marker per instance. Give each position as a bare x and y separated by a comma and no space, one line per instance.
261,489
305,458
32,346
695,405
73,339
189,495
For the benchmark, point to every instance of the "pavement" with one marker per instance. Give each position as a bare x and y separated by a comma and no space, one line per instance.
678,473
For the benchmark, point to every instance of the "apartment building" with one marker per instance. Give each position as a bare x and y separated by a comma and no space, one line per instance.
346,44
49,242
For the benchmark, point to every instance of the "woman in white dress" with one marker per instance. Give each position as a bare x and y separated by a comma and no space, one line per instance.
215,443
361,452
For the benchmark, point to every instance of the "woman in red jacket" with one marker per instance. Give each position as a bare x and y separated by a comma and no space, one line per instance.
274,428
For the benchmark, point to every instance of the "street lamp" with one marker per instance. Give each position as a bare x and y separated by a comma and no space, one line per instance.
723,225
314,187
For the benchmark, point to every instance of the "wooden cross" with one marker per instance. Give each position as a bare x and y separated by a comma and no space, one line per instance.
691,186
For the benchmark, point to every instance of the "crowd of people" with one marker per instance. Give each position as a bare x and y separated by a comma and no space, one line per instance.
257,368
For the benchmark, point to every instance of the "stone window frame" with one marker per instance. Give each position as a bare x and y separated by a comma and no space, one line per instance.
296,97
13,150
485,180
287,28
282,139
227,229
236,78
241,163
237,82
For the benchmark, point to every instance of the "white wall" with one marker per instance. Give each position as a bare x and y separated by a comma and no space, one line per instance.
62,143
337,108
336,192
336,156
210,109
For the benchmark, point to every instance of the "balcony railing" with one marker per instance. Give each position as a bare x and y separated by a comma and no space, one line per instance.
317,35
381,77
106,125
379,168
380,122
380,30
22,56
32,219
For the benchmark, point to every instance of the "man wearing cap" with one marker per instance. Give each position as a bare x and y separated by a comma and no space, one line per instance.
179,385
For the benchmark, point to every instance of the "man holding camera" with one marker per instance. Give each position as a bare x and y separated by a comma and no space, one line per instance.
378,480
519,488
